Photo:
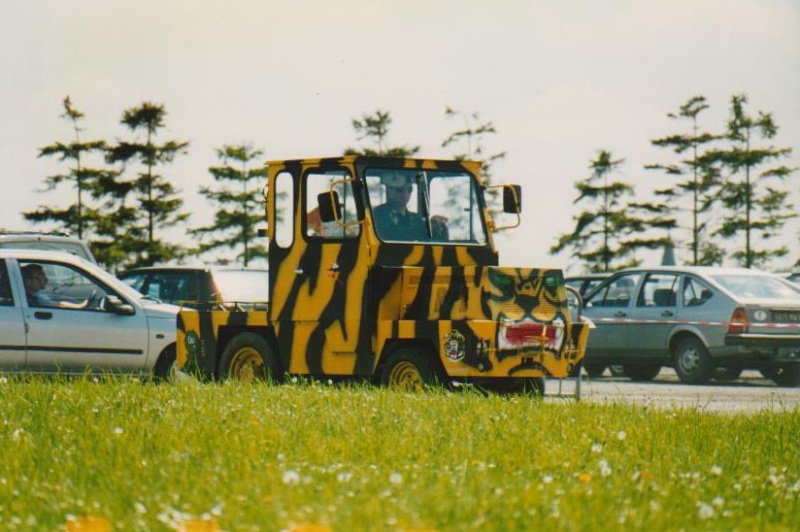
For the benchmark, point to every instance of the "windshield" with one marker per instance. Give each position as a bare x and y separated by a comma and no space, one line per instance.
242,286
761,286
410,205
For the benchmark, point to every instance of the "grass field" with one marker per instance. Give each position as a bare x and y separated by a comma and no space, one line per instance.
320,457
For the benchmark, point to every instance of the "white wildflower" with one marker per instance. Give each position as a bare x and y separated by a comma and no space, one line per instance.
705,510
621,435
716,470
291,478
396,478
597,448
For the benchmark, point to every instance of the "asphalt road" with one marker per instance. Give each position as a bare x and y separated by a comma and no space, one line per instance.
750,393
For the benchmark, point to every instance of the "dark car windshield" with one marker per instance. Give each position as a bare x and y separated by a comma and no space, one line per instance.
242,286
761,286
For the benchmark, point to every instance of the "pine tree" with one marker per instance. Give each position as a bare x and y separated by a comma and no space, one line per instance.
241,209
156,196
755,208
375,127
608,233
703,179
79,217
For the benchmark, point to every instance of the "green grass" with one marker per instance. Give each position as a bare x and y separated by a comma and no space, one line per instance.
150,457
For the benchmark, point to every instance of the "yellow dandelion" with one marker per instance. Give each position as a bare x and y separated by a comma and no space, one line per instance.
199,526
311,528
88,524
585,478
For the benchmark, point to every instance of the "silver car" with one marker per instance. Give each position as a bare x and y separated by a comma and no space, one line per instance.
62,314
705,322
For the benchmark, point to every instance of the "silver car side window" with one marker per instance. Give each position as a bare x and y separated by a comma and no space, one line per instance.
695,292
617,293
659,290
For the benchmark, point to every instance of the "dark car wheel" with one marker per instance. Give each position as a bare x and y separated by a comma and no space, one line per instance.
641,372
692,361
727,374
787,375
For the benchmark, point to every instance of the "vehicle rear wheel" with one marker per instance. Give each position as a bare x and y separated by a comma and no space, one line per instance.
787,375
408,370
249,358
594,369
532,386
692,361
641,372
165,368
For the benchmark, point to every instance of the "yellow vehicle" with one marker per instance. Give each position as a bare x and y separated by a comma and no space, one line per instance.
386,269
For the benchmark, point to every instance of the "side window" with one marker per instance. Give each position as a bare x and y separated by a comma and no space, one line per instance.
284,217
319,182
6,300
173,287
659,290
136,281
617,293
695,292
52,284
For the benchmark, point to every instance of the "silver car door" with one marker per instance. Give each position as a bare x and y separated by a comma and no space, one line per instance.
76,339
12,323
654,315
609,308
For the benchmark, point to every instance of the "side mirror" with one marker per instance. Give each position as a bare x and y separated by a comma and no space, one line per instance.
116,306
329,207
512,199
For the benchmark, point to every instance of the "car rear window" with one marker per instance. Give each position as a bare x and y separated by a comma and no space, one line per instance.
762,286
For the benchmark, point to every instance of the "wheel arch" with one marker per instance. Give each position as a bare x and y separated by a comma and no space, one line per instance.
423,346
229,332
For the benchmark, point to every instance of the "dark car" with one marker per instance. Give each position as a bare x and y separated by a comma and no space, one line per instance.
191,286
704,322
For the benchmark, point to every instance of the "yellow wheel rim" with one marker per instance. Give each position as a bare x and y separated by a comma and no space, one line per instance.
406,376
247,366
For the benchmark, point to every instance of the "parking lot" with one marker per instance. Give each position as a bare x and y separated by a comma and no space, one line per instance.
750,393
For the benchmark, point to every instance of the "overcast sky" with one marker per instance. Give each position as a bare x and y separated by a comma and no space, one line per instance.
559,79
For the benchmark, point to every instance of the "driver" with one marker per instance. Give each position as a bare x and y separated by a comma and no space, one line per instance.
35,280
394,221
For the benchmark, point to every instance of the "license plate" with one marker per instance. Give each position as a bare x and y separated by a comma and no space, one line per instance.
786,316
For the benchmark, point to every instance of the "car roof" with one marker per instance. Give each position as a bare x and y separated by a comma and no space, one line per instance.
35,254
699,270
181,267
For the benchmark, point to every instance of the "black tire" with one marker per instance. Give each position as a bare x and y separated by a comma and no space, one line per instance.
727,374
641,372
248,358
692,361
164,370
409,370
533,387
787,375
594,369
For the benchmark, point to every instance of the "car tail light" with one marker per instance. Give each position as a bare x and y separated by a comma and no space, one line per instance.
738,321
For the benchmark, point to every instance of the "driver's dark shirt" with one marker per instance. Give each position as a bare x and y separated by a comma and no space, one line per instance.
393,225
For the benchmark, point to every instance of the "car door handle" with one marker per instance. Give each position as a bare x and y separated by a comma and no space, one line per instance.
620,314
42,315
667,314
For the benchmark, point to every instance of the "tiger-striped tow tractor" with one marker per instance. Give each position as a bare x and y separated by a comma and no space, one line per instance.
386,269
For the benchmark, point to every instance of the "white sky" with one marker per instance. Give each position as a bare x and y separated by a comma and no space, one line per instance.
560,80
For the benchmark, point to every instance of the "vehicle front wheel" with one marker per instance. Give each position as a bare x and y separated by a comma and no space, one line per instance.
692,361
165,368
408,370
787,375
249,358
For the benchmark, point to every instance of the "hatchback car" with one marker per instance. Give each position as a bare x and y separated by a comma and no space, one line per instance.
705,322
62,314
191,286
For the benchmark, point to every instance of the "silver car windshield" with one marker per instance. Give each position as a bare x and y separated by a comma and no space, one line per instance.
757,286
